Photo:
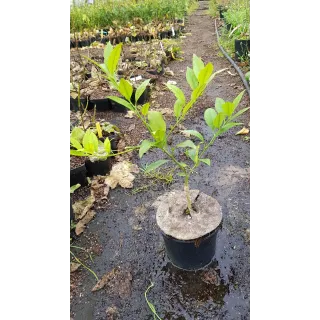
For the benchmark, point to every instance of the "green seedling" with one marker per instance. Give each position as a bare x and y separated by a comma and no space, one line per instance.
219,119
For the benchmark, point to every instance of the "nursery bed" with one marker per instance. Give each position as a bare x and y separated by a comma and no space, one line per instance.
123,236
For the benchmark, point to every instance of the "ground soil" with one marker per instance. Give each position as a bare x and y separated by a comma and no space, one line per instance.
125,228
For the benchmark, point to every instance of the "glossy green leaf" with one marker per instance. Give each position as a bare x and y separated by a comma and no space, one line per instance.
239,113
191,78
125,88
90,142
140,90
206,161
77,134
187,144
114,57
181,174
121,101
145,109
177,92
229,125
194,133
198,92
107,51
144,147
78,153
178,108
192,154
154,165
197,65
237,100
107,146
218,104
183,164
218,121
209,116
228,108
205,73
75,143
156,121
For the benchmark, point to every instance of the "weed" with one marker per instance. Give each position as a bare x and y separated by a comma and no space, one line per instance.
150,305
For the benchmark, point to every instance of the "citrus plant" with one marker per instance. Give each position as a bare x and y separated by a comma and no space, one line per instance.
219,119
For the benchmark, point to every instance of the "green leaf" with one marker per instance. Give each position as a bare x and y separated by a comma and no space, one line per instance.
107,51
75,187
107,146
197,65
209,116
103,68
239,113
121,101
114,57
187,144
206,161
191,78
229,125
75,143
154,165
125,88
183,164
78,153
219,120
140,90
156,121
144,147
218,104
198,92
181,174
178,108
145,108
177,92
228,108
77,134
238,99
192,154
205,73
194,133
90,142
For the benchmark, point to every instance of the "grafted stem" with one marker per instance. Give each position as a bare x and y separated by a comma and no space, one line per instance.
187,190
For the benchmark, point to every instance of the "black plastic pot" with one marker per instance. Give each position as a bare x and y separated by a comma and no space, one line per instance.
78,175
101,104
103,40
85,43
101,167
114,139
116,107
72,44
241,48
83,103
87,76
228,26
192,254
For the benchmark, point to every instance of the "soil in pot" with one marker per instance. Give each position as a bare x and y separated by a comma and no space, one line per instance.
190,239
78,171
99,167
98,98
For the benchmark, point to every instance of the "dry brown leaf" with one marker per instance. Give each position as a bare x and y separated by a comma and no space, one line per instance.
105,279
129,114
80,208
121,174
244,130
121,145
81,225
74,266
231,74
166,111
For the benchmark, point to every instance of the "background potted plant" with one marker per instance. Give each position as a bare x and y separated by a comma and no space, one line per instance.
188,219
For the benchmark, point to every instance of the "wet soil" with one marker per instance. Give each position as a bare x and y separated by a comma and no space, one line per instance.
125,228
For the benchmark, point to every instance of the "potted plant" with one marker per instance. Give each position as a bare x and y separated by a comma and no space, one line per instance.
188,219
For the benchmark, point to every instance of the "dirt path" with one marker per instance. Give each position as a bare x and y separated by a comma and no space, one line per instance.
128,237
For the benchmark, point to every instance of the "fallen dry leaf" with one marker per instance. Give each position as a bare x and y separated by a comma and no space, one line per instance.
80,226
121,174
74,266
244,130
80,208
166,111
231,74
129,114
99,189
112,313
105,279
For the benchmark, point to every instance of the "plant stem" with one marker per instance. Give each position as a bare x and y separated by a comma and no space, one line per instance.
79,261
186,186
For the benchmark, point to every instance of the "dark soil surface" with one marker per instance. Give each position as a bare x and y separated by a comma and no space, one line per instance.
76,161
124,236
